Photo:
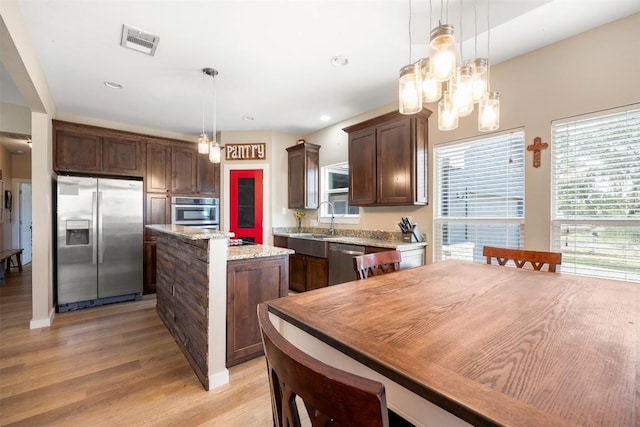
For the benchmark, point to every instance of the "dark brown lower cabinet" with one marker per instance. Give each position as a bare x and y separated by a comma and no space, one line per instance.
250,282
307,272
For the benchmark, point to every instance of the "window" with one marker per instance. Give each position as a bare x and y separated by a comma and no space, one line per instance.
336,191
479,196
596,194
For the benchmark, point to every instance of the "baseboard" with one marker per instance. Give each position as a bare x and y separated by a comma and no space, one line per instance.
218,379
43,323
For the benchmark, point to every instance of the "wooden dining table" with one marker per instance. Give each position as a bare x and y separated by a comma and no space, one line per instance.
459,343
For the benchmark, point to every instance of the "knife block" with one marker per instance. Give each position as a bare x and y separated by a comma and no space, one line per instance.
414,237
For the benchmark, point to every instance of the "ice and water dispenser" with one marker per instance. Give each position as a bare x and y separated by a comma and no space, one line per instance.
77,232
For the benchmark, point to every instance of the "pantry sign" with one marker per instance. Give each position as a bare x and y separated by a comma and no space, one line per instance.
249,151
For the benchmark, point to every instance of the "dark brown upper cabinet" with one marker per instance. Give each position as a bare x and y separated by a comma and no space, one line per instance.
86,149
304,176
184,161
158,174
388,160
208,177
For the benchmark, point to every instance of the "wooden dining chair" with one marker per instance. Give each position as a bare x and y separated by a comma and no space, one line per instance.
520,257
376,263
332,397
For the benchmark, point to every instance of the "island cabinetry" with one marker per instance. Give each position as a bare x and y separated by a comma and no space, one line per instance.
307,272
183,297
250,282
87,149
388,160
304,175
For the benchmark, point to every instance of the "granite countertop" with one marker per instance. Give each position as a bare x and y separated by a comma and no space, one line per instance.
358,240
256,251
234,252
192,233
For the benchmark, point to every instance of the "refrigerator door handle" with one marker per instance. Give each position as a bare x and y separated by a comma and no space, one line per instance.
100,234
94,219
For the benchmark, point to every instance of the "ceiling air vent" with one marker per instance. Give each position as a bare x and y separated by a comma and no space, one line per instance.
139,40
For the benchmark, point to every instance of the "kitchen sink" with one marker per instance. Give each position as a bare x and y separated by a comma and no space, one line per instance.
310,236
307,244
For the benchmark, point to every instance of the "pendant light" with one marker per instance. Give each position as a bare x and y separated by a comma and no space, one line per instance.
489,107
431,87
409,94
443,52
203,139
447,112
489,112
479,66
214,147
463,91
409,90
463,83
443,49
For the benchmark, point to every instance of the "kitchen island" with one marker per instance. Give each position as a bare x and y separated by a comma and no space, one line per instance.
207,294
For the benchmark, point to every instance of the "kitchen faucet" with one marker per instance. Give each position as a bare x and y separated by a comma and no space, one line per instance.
332,230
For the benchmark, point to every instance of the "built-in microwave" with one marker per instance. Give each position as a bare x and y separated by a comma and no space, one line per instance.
195,211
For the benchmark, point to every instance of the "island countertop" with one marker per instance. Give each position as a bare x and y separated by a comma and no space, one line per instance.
234,252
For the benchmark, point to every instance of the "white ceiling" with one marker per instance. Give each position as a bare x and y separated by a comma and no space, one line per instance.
273,56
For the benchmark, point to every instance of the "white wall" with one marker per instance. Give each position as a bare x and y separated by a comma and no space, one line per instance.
596,70
20,61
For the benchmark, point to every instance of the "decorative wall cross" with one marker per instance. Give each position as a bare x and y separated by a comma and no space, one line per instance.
536,147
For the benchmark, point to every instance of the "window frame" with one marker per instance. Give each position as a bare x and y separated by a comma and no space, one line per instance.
440,220
599,224
324,217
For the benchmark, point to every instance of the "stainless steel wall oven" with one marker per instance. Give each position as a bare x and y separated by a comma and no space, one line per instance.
201,212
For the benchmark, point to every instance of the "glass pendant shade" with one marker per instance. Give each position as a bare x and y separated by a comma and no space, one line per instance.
431,87
489,112
203,144
463,91
479,67
443,52
409,94
214,152
447,113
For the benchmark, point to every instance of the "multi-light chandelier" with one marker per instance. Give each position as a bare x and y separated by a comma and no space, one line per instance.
456,88
206,145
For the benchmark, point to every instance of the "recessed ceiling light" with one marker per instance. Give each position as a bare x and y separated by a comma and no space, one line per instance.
247,118
339,61
325,118
113,85
19,152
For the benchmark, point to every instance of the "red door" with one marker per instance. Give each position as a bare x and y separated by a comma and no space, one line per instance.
245,206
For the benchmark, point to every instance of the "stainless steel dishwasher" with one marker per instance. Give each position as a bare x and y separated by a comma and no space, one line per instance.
341,262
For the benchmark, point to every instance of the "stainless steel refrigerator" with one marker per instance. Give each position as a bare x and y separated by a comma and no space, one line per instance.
99,242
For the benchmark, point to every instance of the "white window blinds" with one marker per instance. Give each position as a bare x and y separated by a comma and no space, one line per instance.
596,194
479,196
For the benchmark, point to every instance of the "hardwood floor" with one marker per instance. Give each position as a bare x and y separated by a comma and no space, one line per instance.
114,365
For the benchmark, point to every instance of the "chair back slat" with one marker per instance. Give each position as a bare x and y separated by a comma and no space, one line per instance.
377,263
332,397
520,257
